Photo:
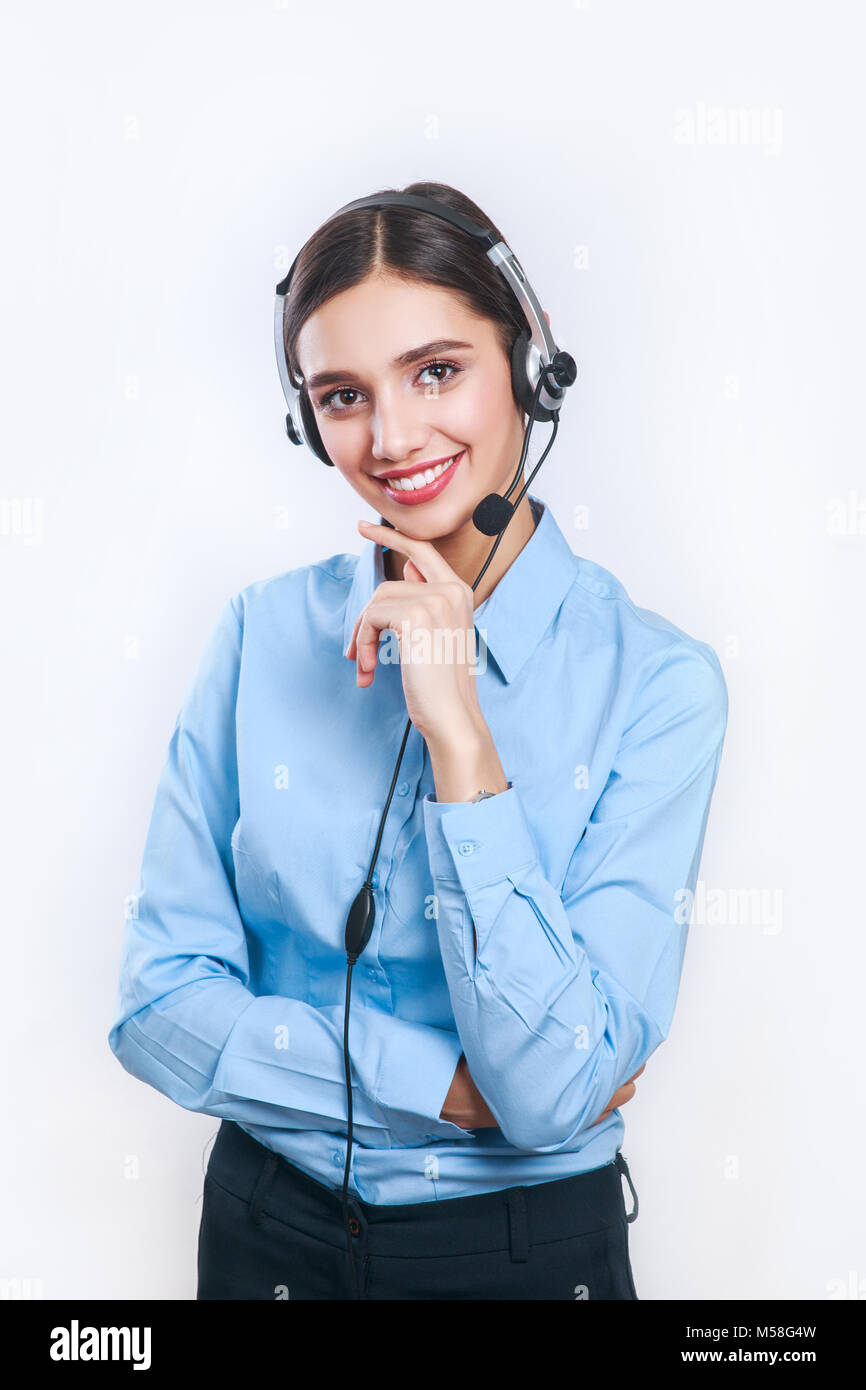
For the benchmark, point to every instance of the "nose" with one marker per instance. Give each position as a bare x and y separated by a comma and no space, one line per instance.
398,429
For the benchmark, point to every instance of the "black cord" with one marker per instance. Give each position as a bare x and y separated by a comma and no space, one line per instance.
351,956
346,1064
520,497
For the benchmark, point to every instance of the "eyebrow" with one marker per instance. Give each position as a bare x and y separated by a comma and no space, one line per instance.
406,359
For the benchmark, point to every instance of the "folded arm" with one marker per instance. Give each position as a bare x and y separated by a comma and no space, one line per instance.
186,1021
561,994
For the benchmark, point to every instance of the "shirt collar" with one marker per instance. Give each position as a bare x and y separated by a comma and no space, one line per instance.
515,616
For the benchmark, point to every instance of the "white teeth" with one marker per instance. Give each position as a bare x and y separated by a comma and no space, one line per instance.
419,480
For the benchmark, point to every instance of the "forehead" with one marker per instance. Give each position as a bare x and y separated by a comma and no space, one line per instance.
369,325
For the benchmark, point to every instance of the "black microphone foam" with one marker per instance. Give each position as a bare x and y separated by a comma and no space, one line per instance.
492,514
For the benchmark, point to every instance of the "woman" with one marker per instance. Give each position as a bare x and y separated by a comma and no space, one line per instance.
536,864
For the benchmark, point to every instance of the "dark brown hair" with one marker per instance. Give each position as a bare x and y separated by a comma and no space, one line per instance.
410,245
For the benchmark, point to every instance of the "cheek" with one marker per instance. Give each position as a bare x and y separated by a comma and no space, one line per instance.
356,478
483,411
346,448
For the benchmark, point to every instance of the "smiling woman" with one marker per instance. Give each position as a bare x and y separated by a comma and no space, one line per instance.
522,958
402,333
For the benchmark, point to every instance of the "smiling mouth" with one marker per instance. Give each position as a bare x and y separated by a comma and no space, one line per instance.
421,486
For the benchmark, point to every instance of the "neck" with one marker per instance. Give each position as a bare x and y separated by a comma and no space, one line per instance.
466,549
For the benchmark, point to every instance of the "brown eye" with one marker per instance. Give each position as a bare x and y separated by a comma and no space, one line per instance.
325,402
451,367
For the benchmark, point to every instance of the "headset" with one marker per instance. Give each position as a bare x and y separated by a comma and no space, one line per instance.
540,374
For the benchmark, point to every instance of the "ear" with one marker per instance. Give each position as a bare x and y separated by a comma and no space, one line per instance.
547,316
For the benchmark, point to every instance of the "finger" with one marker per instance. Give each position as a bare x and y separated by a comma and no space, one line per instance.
366,651
372,621
362,677
387,588
423,553
413,574
350,650
363,648
626,1092
368,658
393,604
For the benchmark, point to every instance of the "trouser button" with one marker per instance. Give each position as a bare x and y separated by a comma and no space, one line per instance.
354,1225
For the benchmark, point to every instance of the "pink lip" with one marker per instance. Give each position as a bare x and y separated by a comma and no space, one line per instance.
423,494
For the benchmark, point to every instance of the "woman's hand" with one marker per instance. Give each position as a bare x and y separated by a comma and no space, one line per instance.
464,1103
465,1106
625,1093
431,612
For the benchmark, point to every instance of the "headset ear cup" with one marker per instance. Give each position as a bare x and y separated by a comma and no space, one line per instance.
311,429
523,389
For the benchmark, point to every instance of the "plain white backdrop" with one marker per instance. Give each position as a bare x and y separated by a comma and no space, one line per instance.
682,183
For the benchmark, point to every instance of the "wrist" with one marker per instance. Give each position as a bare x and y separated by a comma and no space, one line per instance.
464,762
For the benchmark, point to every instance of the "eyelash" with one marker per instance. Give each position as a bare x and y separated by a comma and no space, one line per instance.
325,402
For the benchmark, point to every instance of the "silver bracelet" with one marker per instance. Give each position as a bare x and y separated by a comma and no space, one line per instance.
483,795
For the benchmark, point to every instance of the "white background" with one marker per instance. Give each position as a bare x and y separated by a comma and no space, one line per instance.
163,163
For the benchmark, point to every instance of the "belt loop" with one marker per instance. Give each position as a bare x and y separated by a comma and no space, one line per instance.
622,1167
263,1181
518,1231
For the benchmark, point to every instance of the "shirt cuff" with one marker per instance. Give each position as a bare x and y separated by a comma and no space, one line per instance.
478,843
418,1084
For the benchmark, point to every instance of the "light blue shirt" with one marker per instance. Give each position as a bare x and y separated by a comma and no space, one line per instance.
609,722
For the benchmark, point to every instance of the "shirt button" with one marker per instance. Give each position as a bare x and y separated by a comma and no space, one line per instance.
375,879
373,974
466,847
403,788
336,1156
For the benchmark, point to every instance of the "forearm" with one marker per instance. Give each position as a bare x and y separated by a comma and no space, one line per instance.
563,971
465,761
548,1036
462,765
211,1046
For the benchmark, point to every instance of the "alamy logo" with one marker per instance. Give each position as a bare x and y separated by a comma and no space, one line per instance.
76,1343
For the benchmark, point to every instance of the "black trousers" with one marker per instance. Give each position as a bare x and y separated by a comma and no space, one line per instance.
269,1231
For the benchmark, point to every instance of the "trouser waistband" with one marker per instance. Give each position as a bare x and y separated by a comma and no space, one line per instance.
509,1219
